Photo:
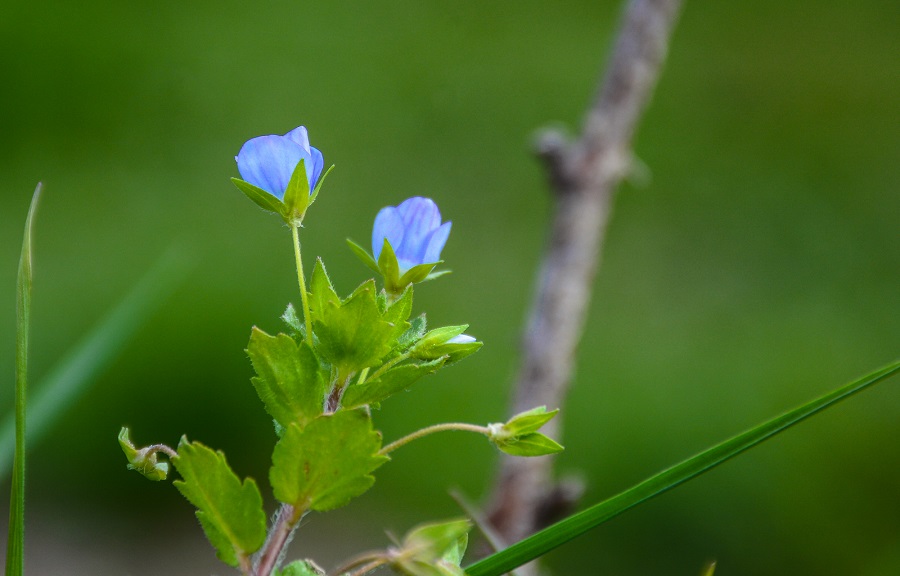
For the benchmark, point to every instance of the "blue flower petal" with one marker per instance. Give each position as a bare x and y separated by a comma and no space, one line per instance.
314,162
420,217
436,243
300,136
268,162
388,224
314,170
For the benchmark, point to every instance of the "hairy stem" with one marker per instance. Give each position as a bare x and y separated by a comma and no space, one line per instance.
285,522
431,430
304,299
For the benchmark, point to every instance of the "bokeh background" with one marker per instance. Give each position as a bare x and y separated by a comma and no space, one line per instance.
757,269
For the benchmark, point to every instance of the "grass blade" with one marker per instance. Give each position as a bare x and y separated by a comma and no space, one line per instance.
74,373
577,524
15,546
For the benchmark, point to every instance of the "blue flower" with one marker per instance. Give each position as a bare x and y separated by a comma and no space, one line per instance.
268,162
414,231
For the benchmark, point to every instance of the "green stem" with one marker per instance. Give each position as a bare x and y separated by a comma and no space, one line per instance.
302,281
387,366
286,521
431,430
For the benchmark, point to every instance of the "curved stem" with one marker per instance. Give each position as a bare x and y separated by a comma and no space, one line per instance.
161,448
367,558
431,430
304,299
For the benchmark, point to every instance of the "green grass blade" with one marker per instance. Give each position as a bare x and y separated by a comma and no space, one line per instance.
75,372
15,546
577,524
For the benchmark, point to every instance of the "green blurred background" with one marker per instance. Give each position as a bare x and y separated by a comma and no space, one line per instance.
759,268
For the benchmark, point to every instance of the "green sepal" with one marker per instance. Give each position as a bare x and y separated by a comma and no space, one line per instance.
315,192
435,275
296,195
261,198
300,568
288,379
529,421
353,335
389,268
435,344
534,444
326,464
363,256
141,460
230,511
391,382
418,273
433,549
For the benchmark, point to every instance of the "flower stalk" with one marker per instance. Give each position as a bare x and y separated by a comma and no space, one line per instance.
431,430
301,280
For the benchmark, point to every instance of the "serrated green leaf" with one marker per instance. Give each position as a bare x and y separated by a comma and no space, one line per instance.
529,421
547,539
326,464
296,195
300,568
230,511
288,379
15,543
363,256
391,382
261,198
534,444
353,335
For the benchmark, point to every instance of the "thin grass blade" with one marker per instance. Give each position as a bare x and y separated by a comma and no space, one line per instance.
15,546
76,371
577,524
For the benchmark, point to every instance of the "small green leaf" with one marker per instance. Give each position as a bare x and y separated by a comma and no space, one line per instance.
292,321
534,444
300,568
398,313
391,382
433,549
261,198
414,334
353,335
230,511
296,195
288,379
363,256
530,420
321,292
326,464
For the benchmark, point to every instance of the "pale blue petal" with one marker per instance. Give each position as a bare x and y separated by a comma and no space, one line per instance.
388,224
461,339
420,218
268,162
436,243
300,136
318,162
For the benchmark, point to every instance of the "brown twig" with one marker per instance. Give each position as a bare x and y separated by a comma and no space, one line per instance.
583,175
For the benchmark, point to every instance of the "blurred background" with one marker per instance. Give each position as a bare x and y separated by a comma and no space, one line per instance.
758,268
